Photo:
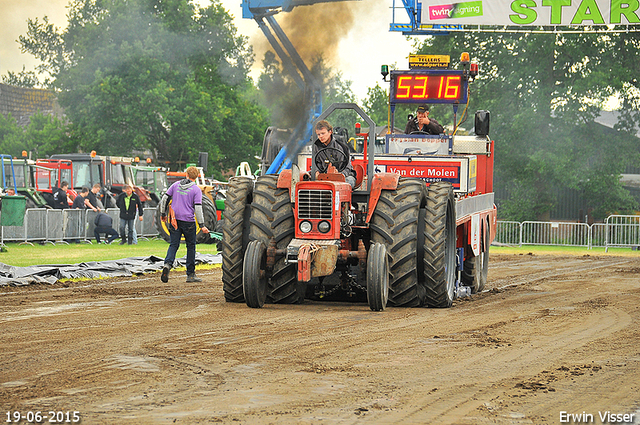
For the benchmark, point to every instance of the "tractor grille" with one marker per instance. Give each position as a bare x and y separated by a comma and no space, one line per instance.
315,204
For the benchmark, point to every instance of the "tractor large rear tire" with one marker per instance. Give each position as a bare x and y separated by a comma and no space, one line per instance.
210,221
440,245
272,218
110,200
235,236
476,269
210,218
396,223
161,226
48,197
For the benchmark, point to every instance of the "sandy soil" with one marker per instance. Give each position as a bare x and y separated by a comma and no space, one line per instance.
551,335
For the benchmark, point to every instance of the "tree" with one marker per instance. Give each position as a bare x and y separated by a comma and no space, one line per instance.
541,89
286,100
11,137
46,135
152,74
280,94
337,90
376,104
24,78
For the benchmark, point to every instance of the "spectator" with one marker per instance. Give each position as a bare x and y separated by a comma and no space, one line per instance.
93,197
104,224
186,208
128,202
60,200
82,201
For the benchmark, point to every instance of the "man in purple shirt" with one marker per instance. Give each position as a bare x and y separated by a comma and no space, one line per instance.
186,203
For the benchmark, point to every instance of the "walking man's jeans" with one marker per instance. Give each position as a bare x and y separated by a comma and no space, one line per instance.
131,224
188,229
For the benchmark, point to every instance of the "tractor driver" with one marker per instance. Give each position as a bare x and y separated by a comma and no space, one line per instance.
325,139
422,123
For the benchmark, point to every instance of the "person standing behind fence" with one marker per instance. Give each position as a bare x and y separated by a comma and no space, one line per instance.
186,206
104,224
93,198
82,200
60,200
128,202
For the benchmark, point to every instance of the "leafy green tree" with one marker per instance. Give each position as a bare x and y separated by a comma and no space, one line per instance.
280,94
286,100
11,136
376,104
46,135
153,74
24,78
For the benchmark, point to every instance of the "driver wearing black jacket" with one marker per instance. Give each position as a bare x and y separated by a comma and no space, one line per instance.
422,123
325,140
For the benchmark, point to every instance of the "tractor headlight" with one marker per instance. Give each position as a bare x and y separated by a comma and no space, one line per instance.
305,227
324,226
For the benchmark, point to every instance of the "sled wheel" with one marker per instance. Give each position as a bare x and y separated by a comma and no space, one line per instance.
377,277
254,275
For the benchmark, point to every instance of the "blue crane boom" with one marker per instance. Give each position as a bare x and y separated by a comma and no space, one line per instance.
263,11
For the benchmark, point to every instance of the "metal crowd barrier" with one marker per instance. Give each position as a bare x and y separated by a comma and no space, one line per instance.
616,231
598,232
508,232
70,225
622,231
61,226
554,233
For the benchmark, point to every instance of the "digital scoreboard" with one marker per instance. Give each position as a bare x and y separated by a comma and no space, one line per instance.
429,86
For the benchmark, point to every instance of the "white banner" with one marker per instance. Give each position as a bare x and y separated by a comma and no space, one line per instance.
531,12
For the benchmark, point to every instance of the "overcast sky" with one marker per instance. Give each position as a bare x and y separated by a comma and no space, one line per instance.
365,46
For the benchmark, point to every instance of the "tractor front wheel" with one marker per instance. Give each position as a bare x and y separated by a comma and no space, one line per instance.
397,223
254,277
377,277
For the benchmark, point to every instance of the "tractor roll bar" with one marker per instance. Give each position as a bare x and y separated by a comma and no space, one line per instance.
372,133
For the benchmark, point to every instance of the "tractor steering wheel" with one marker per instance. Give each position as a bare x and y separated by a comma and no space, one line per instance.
340,161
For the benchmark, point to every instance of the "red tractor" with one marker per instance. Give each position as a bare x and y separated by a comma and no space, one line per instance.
50,173
415,232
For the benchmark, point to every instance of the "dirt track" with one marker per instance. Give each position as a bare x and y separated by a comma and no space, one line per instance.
552,335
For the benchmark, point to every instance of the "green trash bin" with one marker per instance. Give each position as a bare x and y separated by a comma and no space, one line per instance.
12,210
